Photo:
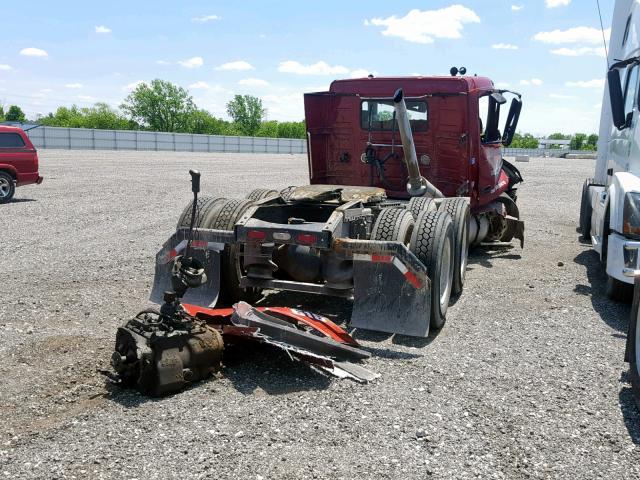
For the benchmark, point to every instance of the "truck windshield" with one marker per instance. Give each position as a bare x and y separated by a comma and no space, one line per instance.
378,115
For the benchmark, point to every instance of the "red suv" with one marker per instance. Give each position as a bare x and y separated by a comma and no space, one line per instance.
18,162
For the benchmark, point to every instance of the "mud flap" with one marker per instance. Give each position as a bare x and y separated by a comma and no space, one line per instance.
387,300
206,251
518,229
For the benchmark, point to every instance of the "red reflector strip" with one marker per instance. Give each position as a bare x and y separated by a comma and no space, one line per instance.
381,258
172,254
413,280
411,277
199,244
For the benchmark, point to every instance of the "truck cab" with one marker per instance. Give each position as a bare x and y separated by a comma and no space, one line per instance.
458,134
18,162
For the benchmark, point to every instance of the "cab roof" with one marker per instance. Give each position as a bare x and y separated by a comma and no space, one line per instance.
412,86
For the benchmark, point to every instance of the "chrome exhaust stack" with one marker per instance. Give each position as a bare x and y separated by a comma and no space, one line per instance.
417,186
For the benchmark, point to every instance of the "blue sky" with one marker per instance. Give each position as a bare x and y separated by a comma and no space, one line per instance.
66,52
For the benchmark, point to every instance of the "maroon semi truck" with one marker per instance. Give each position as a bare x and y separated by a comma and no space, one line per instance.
405,173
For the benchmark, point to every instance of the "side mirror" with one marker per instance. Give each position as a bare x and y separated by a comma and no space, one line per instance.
512,121
617,99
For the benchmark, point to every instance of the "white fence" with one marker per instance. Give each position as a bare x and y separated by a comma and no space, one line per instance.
90,139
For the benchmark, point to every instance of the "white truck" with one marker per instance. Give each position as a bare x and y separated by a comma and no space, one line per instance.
610,206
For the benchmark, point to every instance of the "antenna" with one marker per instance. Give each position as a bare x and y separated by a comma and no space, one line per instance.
604,40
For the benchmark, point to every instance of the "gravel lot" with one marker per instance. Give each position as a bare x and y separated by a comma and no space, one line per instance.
526,380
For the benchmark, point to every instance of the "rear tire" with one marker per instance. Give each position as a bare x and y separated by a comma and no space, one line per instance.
585,211
261,194
393,225
432,243
618,291
7,187
458,208
419,204
224,216
203,207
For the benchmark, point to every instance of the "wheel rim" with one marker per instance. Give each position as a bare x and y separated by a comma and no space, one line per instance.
464,253
5,187
446,269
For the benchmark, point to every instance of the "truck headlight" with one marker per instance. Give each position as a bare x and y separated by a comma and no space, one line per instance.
631,214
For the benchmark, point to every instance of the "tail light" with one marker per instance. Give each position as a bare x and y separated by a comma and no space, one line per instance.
307,239
256,235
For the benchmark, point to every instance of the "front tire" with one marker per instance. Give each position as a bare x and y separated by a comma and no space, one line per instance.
585,210
7,187
618,291
432,243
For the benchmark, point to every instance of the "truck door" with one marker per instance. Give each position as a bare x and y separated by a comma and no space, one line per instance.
623,151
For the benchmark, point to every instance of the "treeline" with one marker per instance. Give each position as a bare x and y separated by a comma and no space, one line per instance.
578,141
161,106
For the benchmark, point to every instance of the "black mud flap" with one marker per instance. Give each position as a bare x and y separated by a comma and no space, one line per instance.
208,252
518,230
387,300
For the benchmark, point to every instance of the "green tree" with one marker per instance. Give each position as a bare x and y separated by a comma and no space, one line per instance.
15,114
203,122
247,113
592,142
1,113
292,130
100,115
161,106
577,141
524,141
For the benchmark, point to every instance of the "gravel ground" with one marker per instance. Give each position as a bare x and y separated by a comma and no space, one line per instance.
526,380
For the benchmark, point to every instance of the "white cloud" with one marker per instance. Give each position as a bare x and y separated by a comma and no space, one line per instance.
163,62
5,67
253,82
133,85
86,98
33,52
579,52
102,29
557,3
595,83
318,68
361,72
193,62
422,26
74,85
285,107
587,35
199,85
516,8
205,18
239,65
504,46
503,84
560,96
534,81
